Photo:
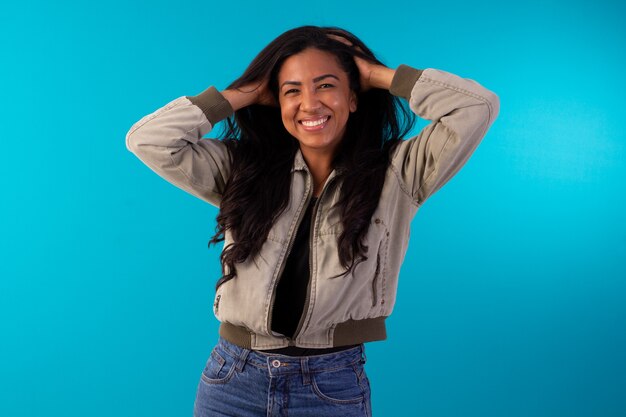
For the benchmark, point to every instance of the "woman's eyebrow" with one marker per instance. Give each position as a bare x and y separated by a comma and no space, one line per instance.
316,79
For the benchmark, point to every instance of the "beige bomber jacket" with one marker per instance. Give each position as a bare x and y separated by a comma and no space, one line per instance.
339,311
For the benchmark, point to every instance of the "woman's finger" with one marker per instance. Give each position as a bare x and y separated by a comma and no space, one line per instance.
340,39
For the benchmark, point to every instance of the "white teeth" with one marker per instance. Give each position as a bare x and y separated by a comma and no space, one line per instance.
314,122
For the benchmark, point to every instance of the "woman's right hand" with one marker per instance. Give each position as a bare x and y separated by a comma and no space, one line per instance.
252,93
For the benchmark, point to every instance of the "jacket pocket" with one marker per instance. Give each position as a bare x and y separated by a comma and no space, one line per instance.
216,304
381,260
375,281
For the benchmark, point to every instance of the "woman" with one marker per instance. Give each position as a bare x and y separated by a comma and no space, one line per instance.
316,190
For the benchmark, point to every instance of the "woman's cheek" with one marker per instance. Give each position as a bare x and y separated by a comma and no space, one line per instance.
288,115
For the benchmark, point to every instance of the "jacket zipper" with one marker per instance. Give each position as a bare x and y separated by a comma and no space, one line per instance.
308,289
282,266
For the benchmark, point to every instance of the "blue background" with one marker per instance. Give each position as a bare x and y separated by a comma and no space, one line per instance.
512,296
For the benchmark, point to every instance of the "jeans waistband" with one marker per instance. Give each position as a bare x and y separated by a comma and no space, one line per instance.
283,364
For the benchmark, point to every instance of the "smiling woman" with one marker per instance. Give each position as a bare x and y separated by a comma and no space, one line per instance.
316,189
315,108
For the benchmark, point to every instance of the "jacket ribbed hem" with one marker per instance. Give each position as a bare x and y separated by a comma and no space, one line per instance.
351,332
404,80
213,104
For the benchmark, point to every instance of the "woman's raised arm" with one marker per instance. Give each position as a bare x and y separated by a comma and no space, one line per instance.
169,140
461,111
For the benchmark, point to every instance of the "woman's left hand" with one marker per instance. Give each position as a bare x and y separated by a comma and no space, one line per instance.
371,75
374,75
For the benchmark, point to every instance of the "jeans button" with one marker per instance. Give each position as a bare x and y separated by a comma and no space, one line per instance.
275,363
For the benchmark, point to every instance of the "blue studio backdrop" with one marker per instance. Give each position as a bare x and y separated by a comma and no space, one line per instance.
512,296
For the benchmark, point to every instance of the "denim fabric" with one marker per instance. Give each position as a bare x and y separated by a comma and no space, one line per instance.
240,382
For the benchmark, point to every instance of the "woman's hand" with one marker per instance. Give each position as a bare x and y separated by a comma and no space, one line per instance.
374,75
262,93
371,75
252,93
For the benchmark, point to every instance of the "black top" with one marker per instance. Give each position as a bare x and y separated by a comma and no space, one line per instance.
292,289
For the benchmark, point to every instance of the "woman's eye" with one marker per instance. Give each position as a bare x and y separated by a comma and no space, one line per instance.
292,90
325,85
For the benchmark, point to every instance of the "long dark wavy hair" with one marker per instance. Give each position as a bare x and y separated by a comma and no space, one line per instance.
263,152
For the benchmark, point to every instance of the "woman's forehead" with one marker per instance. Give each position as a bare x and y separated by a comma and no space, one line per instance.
310,64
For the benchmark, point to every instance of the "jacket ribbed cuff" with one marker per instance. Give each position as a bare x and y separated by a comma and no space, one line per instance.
213,104
404,80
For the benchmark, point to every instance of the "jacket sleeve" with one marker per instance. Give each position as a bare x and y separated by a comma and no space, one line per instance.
169,141
461,111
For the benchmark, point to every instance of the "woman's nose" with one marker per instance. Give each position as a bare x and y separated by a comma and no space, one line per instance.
310,101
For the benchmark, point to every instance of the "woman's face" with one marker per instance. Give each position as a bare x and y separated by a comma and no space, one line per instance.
315,99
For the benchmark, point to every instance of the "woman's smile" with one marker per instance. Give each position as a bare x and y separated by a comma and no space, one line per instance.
314,124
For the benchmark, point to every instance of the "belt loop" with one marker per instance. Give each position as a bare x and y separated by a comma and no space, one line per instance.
241,361
363,353
306,376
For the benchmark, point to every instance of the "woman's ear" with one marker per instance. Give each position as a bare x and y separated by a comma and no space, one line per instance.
353,101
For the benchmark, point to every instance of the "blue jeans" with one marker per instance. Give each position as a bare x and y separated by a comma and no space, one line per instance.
240,382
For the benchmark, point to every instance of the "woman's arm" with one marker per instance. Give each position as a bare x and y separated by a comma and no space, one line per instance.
169,140
461,111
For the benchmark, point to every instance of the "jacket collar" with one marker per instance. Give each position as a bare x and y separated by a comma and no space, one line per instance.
299,164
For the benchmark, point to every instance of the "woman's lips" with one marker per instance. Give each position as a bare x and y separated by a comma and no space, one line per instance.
312,125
